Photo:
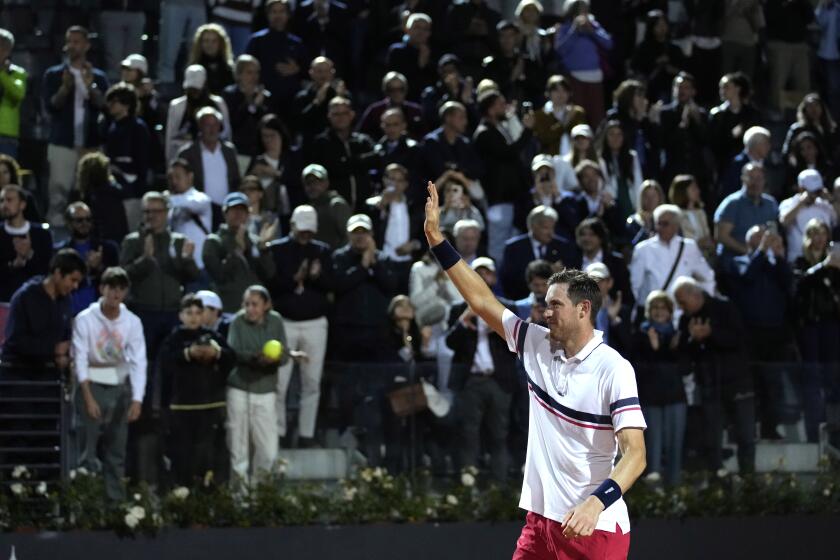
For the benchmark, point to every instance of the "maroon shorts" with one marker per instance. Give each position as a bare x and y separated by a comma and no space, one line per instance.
542,539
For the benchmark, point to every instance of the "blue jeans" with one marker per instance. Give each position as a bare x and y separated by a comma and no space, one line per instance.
664,438
499,229
818,343
176,24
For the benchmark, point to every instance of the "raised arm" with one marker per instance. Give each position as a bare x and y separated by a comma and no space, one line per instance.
471,286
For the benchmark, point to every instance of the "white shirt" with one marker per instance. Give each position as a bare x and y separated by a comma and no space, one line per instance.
821,208
599,257
215,173
117,347
483,360
396,230
538,248
184,209
577,405
564,175
80,95
653,259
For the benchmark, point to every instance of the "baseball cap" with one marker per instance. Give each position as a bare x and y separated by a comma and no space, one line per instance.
582,130
305,218
136,62
810,180
540,161
359,221
315,169
235,199
598,271
447,59
209,299
485,262
195,76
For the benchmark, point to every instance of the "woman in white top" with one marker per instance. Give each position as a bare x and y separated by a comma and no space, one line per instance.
623,175
685,193
583,149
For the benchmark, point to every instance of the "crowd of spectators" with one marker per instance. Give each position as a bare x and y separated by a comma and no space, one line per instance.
265,179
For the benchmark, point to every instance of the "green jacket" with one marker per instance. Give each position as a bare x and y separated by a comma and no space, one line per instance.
156,283
247,340
12,92
231,270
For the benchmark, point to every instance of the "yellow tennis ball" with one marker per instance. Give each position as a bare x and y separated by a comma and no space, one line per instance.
273,349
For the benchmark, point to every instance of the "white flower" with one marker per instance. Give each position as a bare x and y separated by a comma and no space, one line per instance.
157,519
395,514
72,474
138,512
430,512
350,493
17,488
467,479
827,492
131,521
281,467
378,472
366,474
388,485
19,472
451,500
41,488
137,497
181,492
83,471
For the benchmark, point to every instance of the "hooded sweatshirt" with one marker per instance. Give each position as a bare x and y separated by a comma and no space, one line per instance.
107,351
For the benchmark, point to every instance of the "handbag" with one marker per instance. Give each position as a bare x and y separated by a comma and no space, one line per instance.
408,400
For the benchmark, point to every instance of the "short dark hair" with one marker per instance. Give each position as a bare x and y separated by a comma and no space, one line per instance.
487,99
125,94
581,287
599,228
538,269
68,261
182,163
275,123
80,30
115,277
190,300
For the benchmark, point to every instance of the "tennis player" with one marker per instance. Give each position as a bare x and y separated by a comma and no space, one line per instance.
583,400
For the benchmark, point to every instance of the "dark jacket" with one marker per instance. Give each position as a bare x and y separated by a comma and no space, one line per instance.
658,372
311,302
370,122
348,164
362,294
439,155
11,278
106,206
720,361
127,144
403,58
244,119
187,382
309,116
526,87
61,118
36,323
416,217
88,290
463,342
505,176
684,149
333,213
762,289
271,47
219,74
192,153
519,251
721,122
817,293
408,153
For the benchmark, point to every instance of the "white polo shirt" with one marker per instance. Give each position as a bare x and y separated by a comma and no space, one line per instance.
577,406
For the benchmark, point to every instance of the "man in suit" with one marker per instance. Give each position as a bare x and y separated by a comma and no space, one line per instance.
212,160
483,376
413,56
447,148
397,147
539,243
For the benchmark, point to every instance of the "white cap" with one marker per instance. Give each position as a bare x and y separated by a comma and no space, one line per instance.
485,262
598,271
209,299
195,76
359,221
136,62
810,180
582,130
305,218
541,160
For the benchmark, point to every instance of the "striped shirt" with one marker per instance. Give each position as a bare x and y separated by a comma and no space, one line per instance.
578,404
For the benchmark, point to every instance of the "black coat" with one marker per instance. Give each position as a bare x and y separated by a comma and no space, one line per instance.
348,164
505,176
187,382
12,278
519,252
463,342
658,372
362,294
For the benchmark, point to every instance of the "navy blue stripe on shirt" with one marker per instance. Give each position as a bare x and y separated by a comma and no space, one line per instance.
520,338
571,413
624,402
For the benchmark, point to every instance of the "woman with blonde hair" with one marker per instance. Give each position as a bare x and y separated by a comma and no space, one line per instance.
685,193
211,49
96,187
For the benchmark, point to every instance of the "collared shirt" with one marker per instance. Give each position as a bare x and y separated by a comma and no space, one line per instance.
539,249
215,173
396,231
578,405
483,360
599,257
186,211
821,208
654,258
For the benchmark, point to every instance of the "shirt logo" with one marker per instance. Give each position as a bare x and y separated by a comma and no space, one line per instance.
608,490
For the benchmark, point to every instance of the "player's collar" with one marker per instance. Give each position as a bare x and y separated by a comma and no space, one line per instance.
583,353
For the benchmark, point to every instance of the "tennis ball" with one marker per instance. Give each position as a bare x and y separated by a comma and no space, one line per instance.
273,349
